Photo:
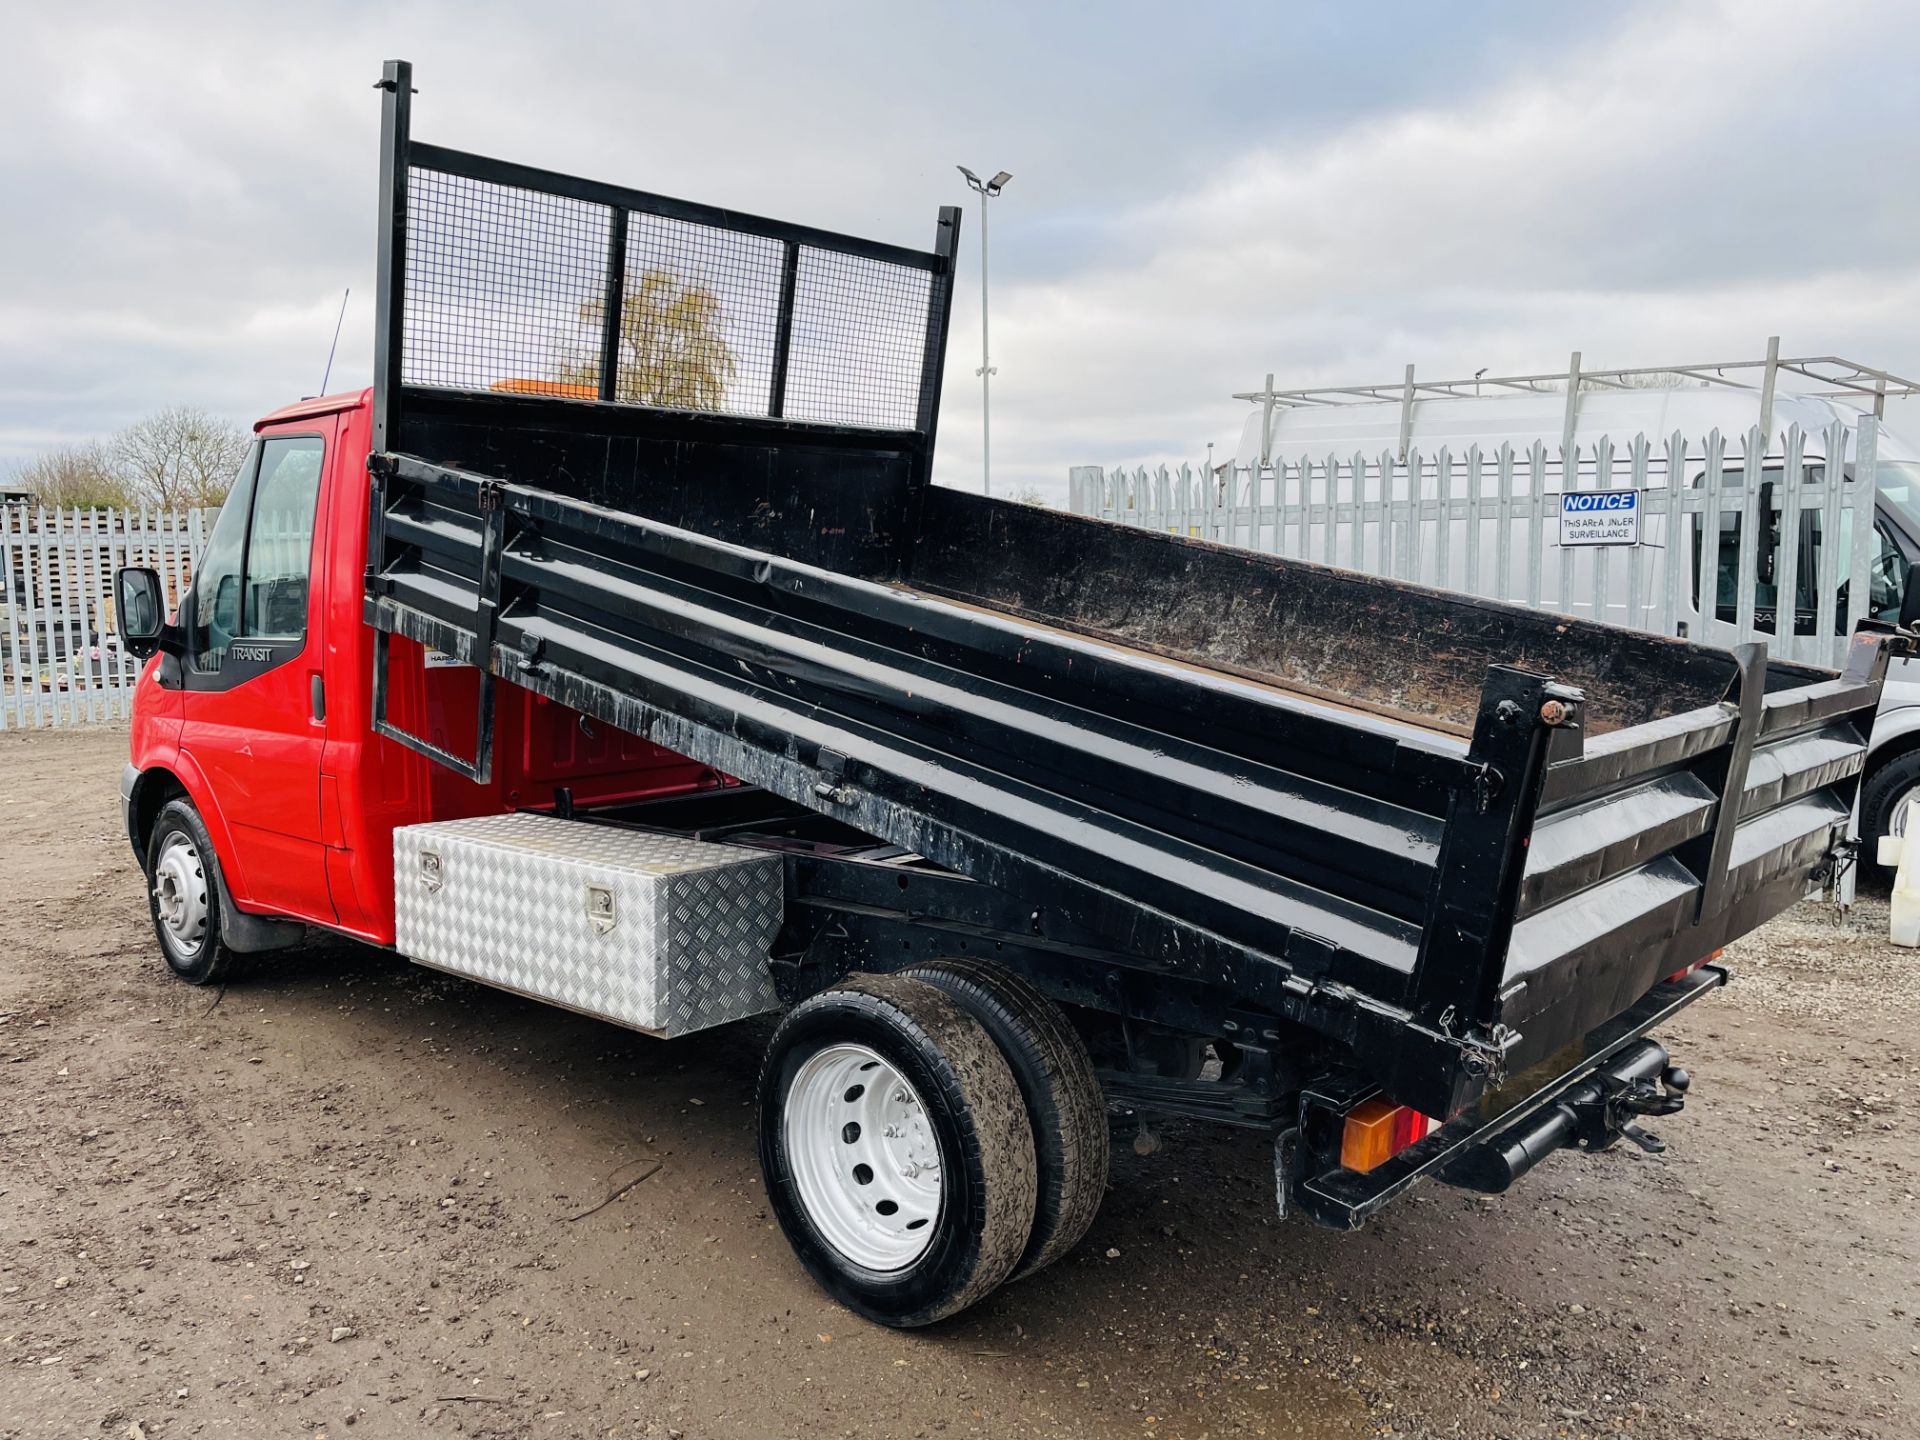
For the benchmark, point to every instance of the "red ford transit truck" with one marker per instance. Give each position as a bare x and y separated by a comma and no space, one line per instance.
615,649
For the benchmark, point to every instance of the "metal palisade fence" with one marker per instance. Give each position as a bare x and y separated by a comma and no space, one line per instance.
60,660
1680,550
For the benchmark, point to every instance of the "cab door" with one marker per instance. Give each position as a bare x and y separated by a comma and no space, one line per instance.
253,720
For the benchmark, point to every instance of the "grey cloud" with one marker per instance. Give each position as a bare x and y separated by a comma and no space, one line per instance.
1201,194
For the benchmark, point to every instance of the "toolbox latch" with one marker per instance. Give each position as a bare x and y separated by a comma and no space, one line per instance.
601,911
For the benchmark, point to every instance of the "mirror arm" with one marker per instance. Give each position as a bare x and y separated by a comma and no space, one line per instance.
172,640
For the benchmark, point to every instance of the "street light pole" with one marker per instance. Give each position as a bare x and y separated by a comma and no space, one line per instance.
986,190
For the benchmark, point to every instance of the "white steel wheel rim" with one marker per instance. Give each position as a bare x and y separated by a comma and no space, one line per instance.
864,1157
180,893
1897,816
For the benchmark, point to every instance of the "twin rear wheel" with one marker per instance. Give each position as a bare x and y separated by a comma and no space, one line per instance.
929,1135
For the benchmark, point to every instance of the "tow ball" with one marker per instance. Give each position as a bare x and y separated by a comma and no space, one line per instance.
1601,1119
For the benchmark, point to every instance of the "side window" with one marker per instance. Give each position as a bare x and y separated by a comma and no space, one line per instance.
280,540
216,585
1770,588
1887,575
253,577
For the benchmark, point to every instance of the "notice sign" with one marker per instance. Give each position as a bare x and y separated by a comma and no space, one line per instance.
1600,517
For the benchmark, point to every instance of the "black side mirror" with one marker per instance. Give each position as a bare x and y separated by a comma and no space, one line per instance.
139,609
1910,599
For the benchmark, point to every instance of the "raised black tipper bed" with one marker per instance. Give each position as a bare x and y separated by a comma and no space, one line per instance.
1292,846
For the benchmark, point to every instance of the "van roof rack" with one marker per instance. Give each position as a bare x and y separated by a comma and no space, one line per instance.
1838,378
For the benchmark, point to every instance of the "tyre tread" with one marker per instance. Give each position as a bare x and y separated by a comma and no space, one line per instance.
1070,1113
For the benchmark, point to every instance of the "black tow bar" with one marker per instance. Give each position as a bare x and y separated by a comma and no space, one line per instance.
1589,1096
1591,1114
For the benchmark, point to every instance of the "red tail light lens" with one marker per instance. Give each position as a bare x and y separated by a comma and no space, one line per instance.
1682,974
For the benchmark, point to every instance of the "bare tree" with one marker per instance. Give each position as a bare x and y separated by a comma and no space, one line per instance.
80,476
180,456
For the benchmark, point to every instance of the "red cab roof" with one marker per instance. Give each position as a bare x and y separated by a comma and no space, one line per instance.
316,405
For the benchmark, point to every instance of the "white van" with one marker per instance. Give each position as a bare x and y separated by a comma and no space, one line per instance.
1307,427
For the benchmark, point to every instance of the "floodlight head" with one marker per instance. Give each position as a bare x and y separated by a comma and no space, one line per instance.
972,179
998,183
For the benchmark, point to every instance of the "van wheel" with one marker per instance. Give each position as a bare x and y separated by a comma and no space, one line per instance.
184,896
1884,796
1065,1105
896,1150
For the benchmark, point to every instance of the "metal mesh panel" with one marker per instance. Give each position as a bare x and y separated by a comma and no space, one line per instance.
504,287
506,291
859,338
700,318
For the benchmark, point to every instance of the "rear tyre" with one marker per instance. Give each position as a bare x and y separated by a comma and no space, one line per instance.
1883,798
896,1149
183,896
1065,1105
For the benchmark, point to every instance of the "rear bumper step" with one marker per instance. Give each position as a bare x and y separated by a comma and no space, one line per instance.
1587,1096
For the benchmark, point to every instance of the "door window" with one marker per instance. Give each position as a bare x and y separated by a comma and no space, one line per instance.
280,540
216,585
1887,576
253,578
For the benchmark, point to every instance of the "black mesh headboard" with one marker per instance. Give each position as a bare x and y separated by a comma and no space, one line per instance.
711,368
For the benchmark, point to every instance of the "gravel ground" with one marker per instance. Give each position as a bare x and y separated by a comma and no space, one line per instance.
346,1196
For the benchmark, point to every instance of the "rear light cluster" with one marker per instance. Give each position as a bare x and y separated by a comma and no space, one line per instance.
1377,1130
1682,973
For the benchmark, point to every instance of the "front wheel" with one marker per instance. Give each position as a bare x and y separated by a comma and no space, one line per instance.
896,1148
183,896
1883,799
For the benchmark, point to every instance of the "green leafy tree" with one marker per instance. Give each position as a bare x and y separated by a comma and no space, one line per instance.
673,346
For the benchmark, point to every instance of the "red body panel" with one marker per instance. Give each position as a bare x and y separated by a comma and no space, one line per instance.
302,809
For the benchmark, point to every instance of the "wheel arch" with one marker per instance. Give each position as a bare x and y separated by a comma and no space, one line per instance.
152,791
1895,732
1888,751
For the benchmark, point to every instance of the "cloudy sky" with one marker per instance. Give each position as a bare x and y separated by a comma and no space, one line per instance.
1202,193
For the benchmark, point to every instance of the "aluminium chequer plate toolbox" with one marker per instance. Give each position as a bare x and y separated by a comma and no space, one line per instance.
657,932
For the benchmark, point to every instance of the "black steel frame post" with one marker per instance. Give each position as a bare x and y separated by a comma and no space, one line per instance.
933,358
390,277
933,363
783,331
612,303
389,295
1483,853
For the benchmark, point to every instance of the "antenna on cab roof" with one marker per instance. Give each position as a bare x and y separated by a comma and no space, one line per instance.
338,322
